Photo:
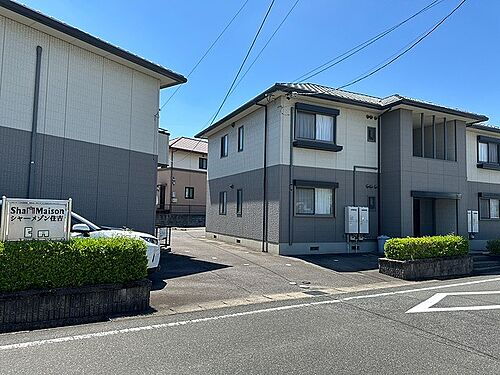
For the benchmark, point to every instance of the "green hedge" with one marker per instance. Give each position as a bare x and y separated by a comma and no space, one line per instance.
493,246
426,247
82,261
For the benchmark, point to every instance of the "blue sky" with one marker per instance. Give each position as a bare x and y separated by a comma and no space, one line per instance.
457,66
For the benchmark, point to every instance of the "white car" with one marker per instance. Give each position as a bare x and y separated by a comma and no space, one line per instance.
85,228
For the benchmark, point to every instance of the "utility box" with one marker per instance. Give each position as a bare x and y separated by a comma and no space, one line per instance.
364,227
472,221
351,220
357,220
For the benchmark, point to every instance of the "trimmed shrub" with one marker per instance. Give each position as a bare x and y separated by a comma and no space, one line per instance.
426,247
493,246
81,261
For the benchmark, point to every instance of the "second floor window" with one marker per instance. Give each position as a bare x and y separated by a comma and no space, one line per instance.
241,138
224,146
203,163
488,152
371,134
189,192
315,127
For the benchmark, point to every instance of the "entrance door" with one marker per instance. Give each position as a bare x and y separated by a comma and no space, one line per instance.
434,216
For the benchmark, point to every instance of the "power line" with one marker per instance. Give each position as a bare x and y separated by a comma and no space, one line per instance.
244,61
406,49
265,45
334,61
206,53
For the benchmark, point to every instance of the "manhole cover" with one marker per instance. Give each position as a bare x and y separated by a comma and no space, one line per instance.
315,293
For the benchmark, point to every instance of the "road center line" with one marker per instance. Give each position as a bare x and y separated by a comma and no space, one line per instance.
29,344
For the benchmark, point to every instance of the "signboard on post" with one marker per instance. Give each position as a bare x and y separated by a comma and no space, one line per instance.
35,219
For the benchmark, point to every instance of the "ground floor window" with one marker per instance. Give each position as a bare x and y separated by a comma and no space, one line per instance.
189,192
313,201
489,208
222,203
239,202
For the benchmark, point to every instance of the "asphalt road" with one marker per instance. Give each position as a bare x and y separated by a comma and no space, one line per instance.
361,333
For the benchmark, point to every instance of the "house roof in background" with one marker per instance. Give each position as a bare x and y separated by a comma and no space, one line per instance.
190,144
52,26
347,97
382,103
486,127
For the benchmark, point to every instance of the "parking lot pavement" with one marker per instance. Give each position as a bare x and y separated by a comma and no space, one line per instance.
201,274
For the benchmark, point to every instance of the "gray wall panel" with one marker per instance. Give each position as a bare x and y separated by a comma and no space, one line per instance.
305,229
390,173
142,191
488,229
80,173
403,173
14,162
50,166
249,225
95,177
113,182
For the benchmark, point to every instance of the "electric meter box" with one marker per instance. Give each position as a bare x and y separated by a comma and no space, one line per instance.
357,220
351,219
364,227
472,221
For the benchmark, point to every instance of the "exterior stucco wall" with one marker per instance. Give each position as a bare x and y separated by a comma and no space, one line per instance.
351,133
249,225
390,174
109,186
403,173
252,156
488,229
96,140
473,172
305,229
83,96
184,178
186,160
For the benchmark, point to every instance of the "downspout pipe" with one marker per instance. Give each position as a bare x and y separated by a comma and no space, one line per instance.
265,245
34,126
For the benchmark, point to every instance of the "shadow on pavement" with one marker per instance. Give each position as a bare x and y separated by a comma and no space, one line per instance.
343,262
177,265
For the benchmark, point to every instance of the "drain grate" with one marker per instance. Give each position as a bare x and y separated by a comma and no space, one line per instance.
315,293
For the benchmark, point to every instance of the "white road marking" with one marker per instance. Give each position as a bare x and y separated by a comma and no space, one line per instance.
426,306
29,344
421,289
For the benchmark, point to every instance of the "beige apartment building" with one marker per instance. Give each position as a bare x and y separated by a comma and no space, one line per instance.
182,185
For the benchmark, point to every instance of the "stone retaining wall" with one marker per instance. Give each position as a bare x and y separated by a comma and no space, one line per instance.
34,309
421,269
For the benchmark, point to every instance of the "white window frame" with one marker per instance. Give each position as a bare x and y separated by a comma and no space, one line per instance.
223,203
186,190
224,146
321,117
317,190
241,138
